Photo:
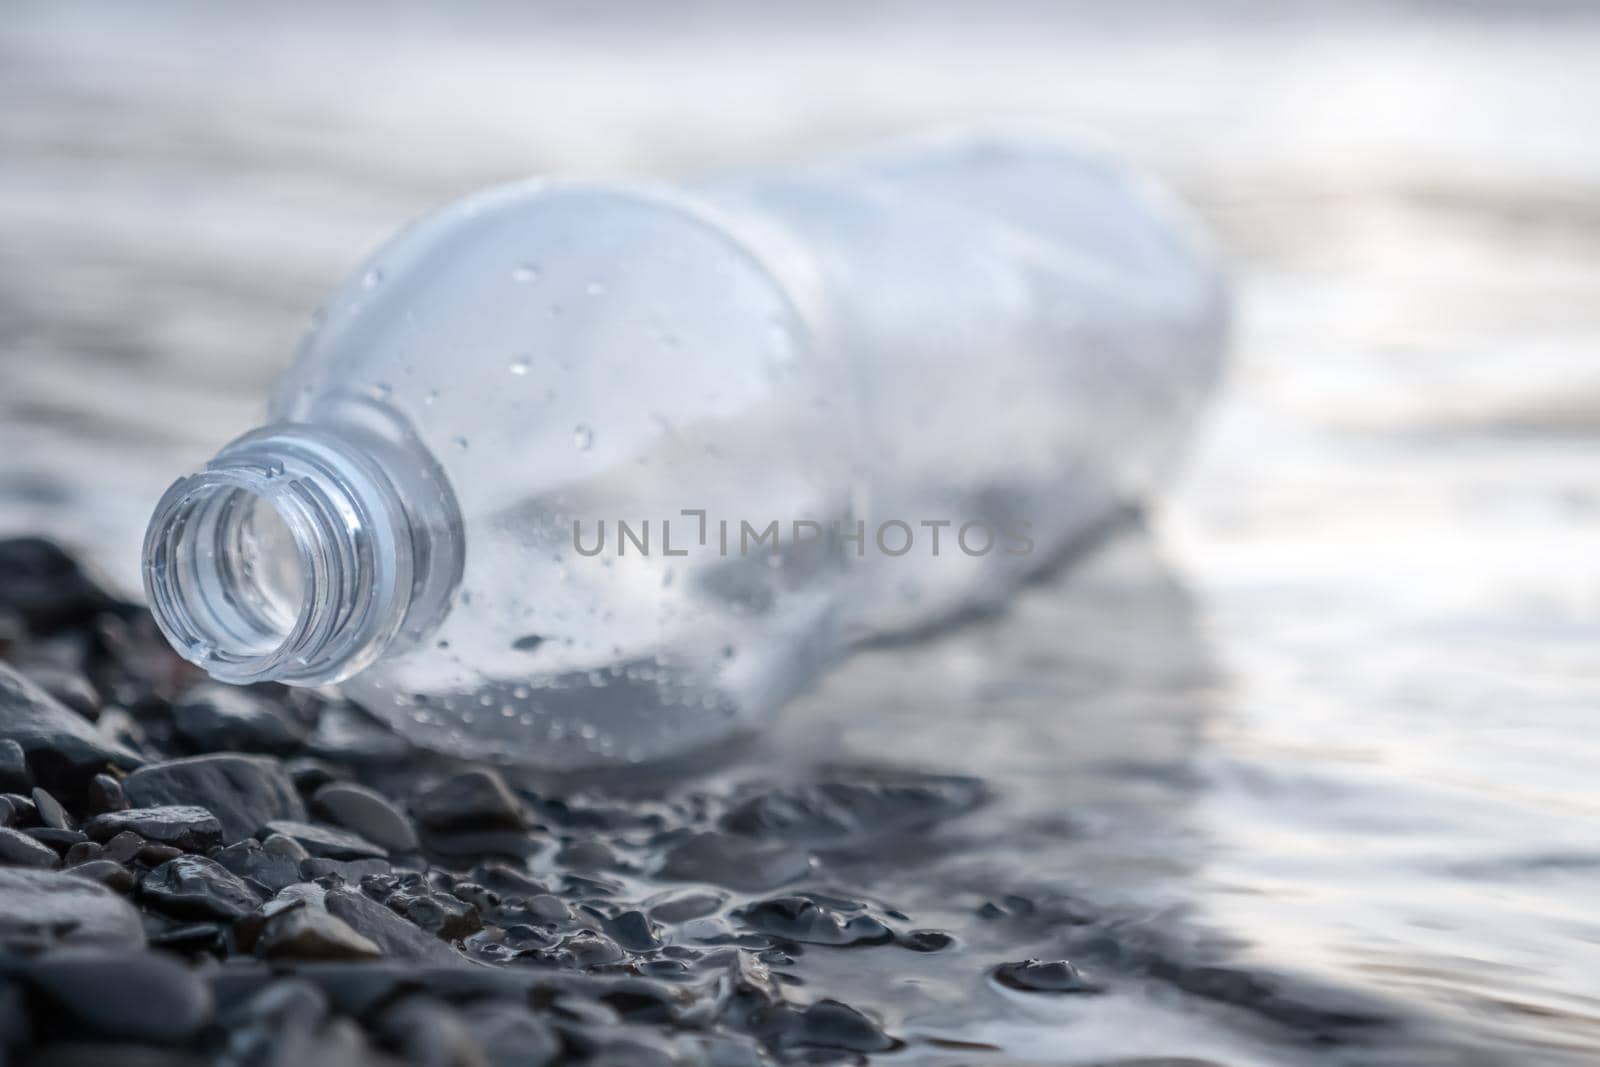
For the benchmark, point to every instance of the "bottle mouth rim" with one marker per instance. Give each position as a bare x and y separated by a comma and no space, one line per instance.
202,604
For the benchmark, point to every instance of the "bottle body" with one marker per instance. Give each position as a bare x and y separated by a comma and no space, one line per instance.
649,458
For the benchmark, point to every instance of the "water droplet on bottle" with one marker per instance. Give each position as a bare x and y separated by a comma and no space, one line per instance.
525,272
430,397
382,390
594,289
461,442
520,366
372,279
583,437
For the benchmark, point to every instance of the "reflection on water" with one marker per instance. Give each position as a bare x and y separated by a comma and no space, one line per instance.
1333,799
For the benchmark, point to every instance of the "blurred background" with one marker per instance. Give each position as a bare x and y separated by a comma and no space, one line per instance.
1383,548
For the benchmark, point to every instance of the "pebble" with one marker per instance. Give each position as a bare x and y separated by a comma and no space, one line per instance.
227,718
180,826
366,812
45,587
1036,976
45,907
51,734
442,914
329,842
802,918
105,794
425,1030
14,774
397,938
310,933
82,852
68,686
123,847
510,1036
21,850
854,811
255,862
133,996
195,887
243,792
108,873
832,1025
50,812
474,800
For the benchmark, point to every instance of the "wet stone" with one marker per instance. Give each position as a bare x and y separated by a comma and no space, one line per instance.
66,685
830,1024
1037,976
310,933
472,800
365,812
254,862
198,888
227,718
123,847
852,811
802,918
440,913
690,904
105,794
926,940
82,852
426,1030
45,907
60,745
136,996
154,855
50,812
14,774
329,842
184,827
243,792
352,871
17,849
20,810
397,938
511,1036
60,840
108,873
634,931
46,587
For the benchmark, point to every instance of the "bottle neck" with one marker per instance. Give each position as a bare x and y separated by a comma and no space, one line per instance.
291,557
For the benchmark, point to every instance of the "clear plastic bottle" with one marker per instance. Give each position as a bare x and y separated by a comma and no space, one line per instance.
986,343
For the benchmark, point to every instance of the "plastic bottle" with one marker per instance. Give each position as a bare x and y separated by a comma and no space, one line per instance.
991,333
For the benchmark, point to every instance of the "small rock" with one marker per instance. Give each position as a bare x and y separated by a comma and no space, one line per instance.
346,734
154,855
690,904
228,718
46,587
133,996
352,871
244,792
472,800
325,841
366,812
51,813
14,774
926,940
108,873
195,887
21,811
60,840
309,933
802,918
848,812
425,1030
511,1036
67,686
180,826
123,847
397,938
441,914
634,931
82,852
1035,976
60,745
45,907
830,1024
105,794
310,774
254,862
20,850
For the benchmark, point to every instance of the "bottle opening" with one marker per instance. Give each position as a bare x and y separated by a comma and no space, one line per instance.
230,573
